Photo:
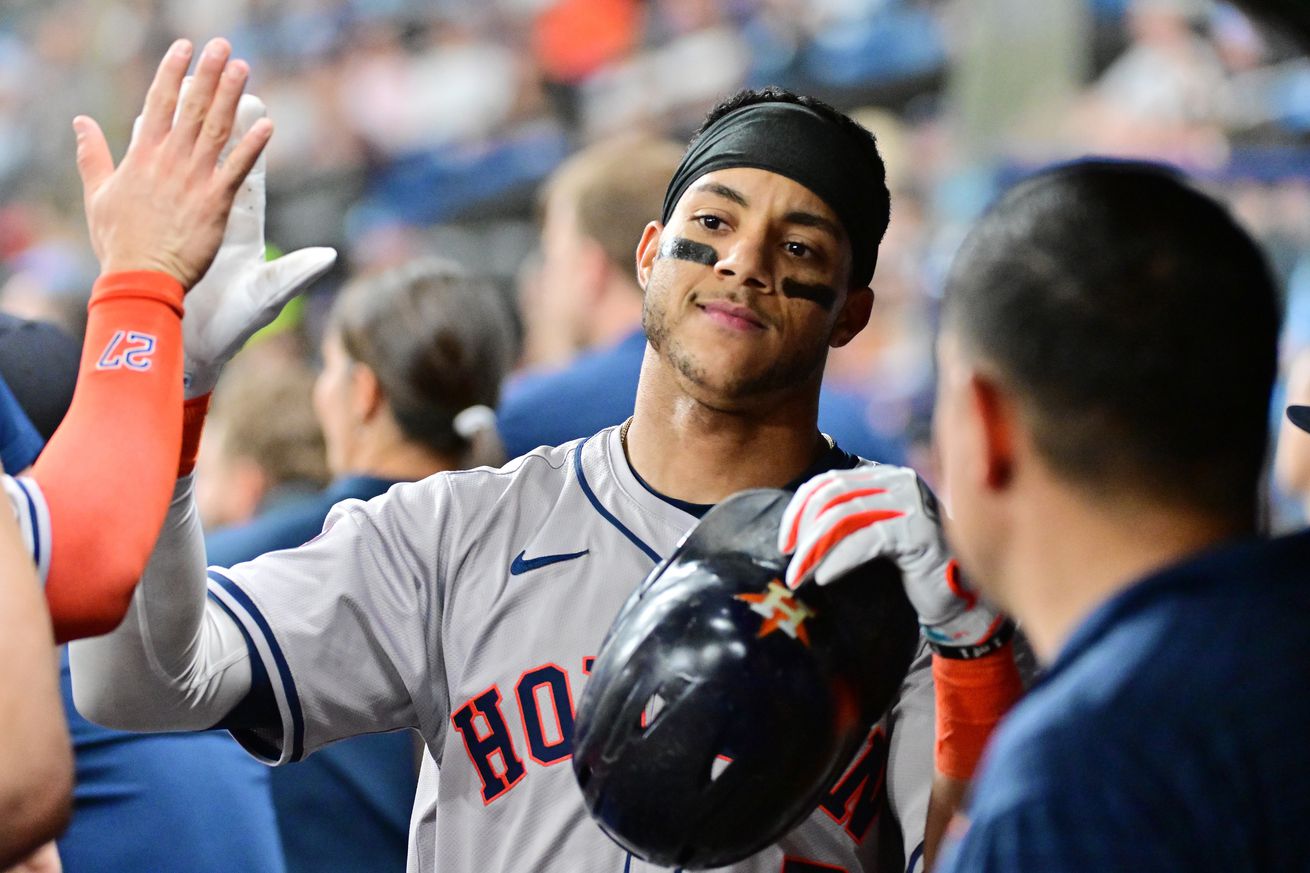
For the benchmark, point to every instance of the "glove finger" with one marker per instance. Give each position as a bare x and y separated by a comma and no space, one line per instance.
278,281
815,498
249,110
789,527
821,539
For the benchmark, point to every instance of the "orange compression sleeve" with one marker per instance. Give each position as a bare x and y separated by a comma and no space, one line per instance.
193,424
972,696
107,473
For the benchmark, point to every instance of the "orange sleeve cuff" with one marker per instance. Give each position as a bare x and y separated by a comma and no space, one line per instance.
972,696
139,285
107,472
193,425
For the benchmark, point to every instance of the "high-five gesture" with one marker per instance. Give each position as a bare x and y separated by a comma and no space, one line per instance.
165,206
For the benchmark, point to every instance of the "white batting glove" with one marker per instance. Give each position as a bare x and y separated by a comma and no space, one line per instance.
241,292
844,518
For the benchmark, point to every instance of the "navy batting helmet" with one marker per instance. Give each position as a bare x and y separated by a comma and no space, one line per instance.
722,705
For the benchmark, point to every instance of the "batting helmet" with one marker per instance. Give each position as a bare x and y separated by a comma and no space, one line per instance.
722,705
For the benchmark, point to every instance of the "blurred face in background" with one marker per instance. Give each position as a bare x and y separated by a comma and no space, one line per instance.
556,315
755,316
335,402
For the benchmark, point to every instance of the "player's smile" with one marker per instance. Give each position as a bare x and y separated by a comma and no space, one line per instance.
732,316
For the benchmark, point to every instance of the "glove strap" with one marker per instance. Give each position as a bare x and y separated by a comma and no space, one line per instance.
997,640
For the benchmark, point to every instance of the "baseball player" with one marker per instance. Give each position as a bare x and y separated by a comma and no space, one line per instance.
469,606
156,222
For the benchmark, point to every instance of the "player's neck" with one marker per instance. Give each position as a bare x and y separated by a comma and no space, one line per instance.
689,451
1071,555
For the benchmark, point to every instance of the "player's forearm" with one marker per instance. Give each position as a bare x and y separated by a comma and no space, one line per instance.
945,800
106,474
36,769
177,662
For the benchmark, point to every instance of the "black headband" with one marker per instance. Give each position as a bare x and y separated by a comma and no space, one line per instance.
799,143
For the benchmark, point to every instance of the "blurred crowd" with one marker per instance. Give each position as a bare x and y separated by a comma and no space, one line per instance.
453,152
408,128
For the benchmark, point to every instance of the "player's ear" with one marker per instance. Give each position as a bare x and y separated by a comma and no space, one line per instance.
647,249
853,316
996,416
366,397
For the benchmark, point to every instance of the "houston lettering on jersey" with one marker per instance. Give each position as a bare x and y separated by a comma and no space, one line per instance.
544,699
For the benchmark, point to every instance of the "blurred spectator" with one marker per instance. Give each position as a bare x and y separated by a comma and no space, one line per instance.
1167,94
413,359
50,281
262,446
1292,456
41,360
406,127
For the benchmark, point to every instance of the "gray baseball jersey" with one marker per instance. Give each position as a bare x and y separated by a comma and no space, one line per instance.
469,606
29,508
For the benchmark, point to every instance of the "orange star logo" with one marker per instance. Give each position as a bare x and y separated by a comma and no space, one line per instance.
781,611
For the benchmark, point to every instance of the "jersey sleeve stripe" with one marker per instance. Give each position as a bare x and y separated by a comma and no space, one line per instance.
39,525
605,513
247,614
261,689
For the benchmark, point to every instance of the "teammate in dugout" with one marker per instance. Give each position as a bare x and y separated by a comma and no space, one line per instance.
1104,468
469,605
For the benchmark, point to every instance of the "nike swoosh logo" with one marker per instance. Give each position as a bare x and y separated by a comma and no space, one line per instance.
521,564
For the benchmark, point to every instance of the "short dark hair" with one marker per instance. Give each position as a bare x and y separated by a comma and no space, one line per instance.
1138,322
860,135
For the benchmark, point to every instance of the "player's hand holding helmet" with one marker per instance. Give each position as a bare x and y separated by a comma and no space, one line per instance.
241,292
844,518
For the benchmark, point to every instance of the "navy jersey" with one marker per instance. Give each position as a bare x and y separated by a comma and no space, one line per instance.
1169,734
19,441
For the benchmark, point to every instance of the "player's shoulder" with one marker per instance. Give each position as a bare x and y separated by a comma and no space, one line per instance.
544,466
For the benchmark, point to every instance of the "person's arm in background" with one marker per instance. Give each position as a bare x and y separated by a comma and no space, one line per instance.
36,762
844,518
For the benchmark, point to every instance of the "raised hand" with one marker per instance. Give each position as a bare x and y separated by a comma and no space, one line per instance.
165,206
241,292
844,518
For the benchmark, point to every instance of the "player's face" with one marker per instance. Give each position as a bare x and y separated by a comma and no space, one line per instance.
747,287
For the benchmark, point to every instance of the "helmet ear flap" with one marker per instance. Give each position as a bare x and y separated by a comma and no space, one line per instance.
722,706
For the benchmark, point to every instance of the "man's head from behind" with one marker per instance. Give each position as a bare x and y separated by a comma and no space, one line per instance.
1109,332
594,209
765,248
